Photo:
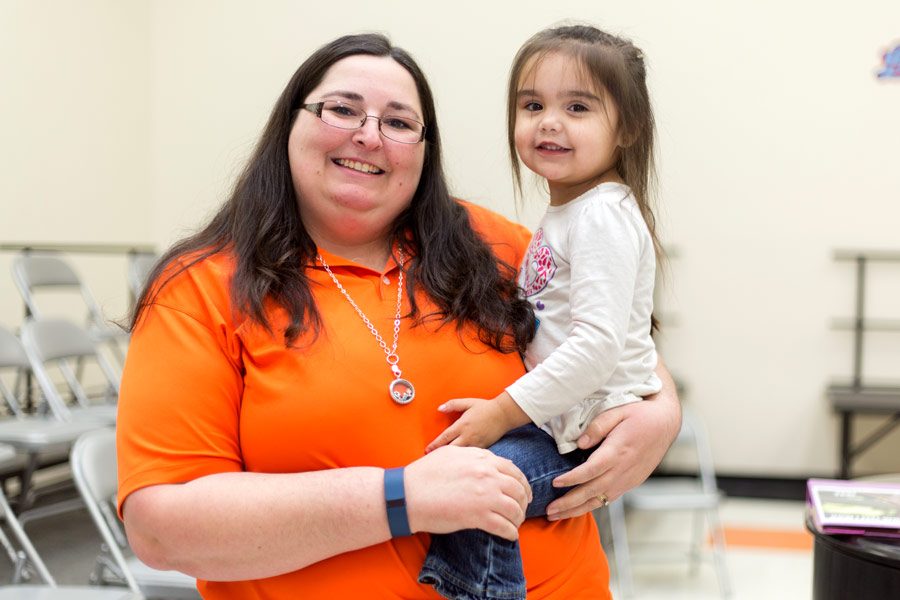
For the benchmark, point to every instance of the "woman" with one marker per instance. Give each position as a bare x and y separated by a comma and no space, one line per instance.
297,347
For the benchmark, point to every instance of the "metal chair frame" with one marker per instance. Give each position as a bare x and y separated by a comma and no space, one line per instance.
699,494
40,439
46,271
93,462
56,342
140,265
28,565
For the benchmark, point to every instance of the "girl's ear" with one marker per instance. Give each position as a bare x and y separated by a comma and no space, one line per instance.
625,138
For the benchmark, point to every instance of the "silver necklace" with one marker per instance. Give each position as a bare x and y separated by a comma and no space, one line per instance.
401,390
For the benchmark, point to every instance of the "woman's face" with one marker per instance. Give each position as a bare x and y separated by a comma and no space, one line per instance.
352,183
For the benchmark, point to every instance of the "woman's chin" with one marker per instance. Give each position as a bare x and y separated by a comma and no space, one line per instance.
361,223
357,200
365,200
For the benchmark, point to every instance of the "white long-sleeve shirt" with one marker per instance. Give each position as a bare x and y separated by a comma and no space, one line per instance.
589,274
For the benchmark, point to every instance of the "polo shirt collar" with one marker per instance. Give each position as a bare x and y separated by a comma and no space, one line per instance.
335,260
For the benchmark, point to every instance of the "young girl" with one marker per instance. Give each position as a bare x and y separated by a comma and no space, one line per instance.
580,117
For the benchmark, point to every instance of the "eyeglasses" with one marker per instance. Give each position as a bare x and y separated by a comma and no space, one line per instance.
346,116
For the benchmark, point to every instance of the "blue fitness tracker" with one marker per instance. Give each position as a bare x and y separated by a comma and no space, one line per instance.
395,500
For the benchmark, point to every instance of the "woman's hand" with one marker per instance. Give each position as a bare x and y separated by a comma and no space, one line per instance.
454,488
635,438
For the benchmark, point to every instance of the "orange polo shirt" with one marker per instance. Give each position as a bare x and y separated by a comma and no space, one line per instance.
205,391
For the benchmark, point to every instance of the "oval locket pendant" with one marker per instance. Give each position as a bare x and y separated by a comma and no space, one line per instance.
402,391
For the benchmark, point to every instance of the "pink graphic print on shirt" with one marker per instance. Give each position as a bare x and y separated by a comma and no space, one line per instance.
538,267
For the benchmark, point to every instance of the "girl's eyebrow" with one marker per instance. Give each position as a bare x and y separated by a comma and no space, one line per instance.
356,97
583,94
528,93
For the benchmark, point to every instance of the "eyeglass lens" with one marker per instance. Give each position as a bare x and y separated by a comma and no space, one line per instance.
347,116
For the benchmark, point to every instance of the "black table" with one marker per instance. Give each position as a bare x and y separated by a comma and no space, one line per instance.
852,567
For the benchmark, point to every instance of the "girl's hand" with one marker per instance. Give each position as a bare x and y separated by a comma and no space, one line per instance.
635,438
456,488
481,424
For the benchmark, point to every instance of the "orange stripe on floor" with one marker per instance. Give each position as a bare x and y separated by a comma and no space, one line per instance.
769,538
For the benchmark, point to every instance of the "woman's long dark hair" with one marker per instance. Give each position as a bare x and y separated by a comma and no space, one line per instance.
260,224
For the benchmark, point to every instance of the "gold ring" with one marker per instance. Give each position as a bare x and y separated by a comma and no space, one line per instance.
604,499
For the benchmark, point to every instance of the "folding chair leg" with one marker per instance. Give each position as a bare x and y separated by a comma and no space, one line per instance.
620,548
696,550
117,352
7,546
25,543
20,569
25,498
73,380
718,547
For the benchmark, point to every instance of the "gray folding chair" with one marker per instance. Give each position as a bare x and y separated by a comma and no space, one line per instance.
12,357
39,439
53,344
94,469
139,266
28,565
697,494
42,272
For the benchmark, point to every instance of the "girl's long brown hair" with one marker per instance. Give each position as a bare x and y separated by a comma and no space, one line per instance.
616,67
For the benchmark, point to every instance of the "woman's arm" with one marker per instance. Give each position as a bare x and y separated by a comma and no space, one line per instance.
233,526
180,421
635,438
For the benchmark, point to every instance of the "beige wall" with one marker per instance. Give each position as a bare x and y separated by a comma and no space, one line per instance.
74,129
777,145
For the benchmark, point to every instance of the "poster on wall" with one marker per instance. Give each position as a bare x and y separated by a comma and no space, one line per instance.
890,69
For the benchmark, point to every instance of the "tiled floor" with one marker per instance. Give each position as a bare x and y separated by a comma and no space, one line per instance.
68,542
769,554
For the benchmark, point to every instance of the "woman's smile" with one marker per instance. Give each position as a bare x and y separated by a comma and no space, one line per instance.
358,166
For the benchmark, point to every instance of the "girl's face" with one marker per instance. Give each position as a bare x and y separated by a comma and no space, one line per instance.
352,183
567,130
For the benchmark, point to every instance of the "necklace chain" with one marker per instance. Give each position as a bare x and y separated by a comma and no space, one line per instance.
401,390
390,353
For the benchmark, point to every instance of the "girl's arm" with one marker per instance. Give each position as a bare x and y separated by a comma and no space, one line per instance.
234,526
609,293
635,438
609,255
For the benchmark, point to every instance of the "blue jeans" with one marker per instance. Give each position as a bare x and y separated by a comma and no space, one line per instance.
474,565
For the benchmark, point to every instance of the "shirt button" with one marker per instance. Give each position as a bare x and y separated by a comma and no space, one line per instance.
386,280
